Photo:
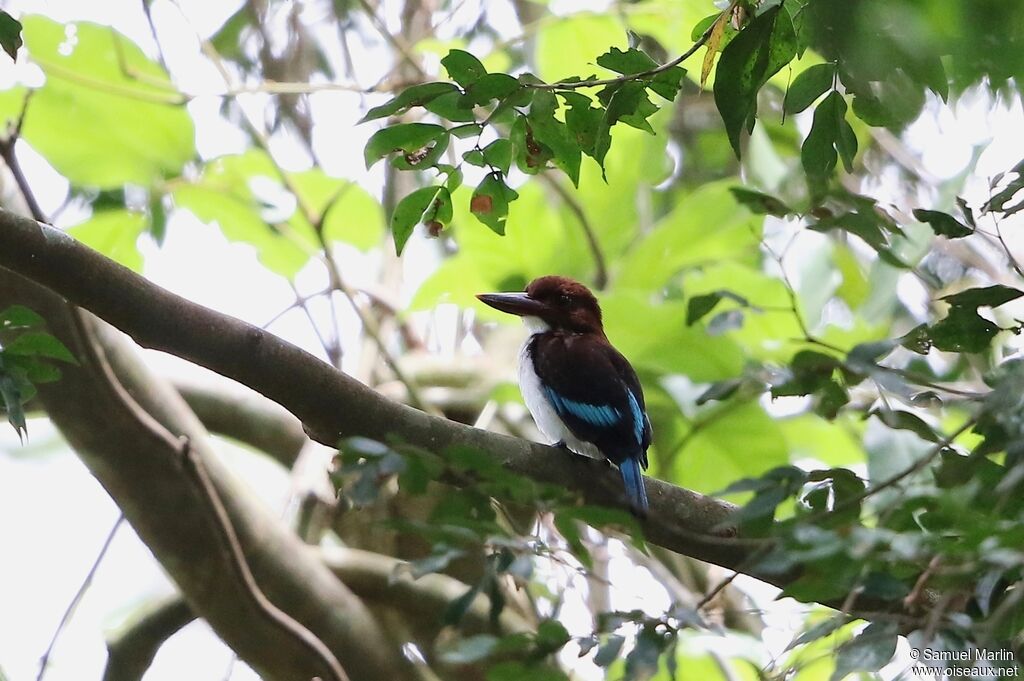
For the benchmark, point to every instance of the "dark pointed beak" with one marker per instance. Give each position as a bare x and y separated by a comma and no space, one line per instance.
519,304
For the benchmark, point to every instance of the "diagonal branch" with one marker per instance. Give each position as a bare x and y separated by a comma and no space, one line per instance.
145,478
332,405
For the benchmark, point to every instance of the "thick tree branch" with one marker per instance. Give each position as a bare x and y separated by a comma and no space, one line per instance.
372,576
148,483
330,404
131,650
232,411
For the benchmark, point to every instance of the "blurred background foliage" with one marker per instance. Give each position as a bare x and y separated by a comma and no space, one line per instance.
785,287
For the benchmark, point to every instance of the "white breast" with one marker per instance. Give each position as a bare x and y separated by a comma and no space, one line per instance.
537,402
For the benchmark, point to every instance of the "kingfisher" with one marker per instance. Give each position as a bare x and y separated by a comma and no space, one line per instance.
581,391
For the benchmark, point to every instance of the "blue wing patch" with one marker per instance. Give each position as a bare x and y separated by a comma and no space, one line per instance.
598,415
638,417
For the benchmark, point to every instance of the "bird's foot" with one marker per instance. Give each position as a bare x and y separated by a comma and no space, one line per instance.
561,445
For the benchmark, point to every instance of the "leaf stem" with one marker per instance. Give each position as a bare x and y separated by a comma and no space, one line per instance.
561,85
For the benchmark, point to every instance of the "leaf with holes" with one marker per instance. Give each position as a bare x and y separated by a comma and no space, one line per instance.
490,200
410,138
555,135
431,206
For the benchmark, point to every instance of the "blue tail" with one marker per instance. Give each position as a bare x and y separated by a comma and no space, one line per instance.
634,481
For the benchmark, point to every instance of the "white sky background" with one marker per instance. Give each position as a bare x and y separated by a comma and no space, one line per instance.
54,516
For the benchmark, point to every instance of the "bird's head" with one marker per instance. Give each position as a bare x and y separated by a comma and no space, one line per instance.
557,302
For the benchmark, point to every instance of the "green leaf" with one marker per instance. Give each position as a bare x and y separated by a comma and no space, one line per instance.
492,86
943,224
19,317
12,397
417,95
107,115
36,370
667,82
431,206
490,200
10,34
499,155
347,212
819,630
869,651
990,296
962,330
698,306
808,86
115,234
463,68
411,138
224,195
627,103
760,203
826,142
568,45
551,636
531,155
904,420
757,53
452,106
626,62
469,650
583,121
609,651
39,344
555,135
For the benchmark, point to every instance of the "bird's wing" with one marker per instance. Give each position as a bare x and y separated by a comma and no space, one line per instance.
596,393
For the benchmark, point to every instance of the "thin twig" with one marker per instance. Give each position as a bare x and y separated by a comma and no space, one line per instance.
909,470
93,355
9,156
369,323
601,275
82,588
631,76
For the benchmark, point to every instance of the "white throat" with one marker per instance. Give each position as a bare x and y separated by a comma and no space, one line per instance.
536,325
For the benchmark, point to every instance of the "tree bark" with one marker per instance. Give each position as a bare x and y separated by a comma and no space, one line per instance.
329,404
146,479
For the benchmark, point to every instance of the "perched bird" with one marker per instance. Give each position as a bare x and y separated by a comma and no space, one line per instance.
582,392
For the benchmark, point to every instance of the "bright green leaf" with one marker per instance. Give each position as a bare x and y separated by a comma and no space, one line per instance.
411,138
430,205
417,95
96,124
463,67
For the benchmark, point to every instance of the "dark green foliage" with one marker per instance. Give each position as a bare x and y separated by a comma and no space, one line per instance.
10,34
943,224
25,361
762,48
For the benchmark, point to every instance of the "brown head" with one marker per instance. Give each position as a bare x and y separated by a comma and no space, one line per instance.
561,302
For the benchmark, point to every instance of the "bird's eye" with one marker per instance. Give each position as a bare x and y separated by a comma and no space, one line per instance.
565,300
